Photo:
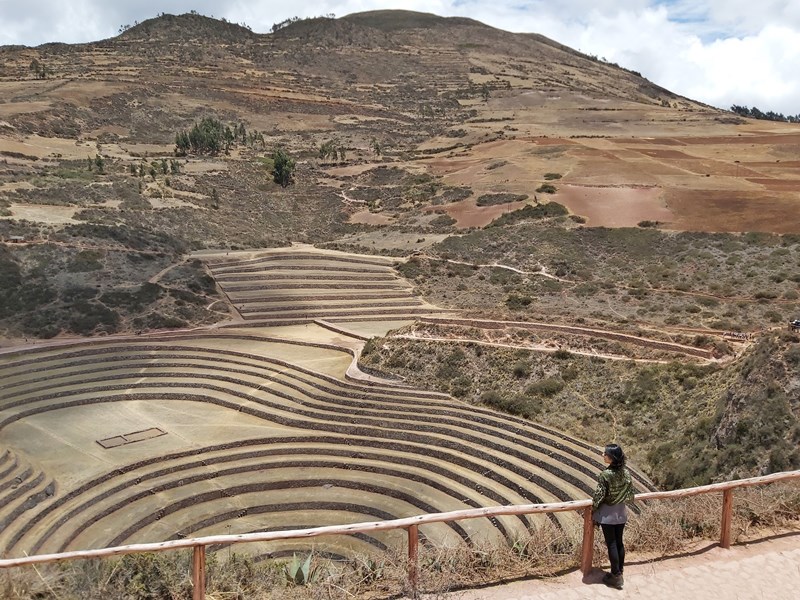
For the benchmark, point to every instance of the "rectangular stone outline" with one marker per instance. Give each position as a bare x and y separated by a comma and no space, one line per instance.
130,438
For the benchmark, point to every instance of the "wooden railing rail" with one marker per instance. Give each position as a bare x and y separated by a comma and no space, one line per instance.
411,525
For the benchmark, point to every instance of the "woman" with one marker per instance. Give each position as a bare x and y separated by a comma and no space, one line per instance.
614,489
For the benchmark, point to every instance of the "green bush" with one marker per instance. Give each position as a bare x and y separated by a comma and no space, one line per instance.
531,211
549,386
283,167
546,188
515,302
521,369
460,386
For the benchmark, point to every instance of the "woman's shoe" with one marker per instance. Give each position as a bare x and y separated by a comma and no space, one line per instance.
613,581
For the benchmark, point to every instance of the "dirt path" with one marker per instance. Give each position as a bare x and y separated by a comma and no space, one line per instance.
766,569
541,272
536,347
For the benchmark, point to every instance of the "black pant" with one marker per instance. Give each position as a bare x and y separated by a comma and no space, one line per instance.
616,549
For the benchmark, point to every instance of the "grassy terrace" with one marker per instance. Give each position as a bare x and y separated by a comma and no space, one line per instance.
260,435
303,286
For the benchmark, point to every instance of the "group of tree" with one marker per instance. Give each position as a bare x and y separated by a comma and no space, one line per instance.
754,113
286,22
39,69
332,149
173,167
96,162
210,136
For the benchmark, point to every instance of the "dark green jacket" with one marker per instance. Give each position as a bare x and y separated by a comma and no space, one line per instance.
613,487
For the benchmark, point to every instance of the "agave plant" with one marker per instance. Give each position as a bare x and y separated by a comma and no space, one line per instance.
300,572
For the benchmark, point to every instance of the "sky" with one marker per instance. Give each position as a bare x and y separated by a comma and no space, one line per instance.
720,52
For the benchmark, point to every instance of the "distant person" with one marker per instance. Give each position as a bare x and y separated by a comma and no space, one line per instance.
614,489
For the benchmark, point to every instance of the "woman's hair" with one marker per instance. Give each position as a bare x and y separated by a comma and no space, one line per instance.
617,456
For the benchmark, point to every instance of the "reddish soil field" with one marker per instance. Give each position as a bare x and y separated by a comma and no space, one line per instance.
770,140
732,211
615,206
467,214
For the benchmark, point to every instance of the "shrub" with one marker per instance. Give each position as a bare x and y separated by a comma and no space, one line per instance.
442,221
546,188
531,211
552,176
792,355
515,302
548,386
521,369
460,386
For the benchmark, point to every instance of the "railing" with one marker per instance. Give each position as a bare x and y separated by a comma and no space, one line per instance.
411,525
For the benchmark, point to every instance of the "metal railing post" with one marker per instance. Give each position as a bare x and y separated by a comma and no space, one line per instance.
413,559
587,549
727,517
199,573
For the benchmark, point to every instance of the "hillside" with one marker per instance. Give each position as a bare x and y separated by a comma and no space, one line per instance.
492,255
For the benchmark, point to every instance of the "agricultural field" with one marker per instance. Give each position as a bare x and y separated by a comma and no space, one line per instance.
141,439
289,286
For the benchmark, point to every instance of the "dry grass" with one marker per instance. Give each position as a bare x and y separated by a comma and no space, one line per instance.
659,529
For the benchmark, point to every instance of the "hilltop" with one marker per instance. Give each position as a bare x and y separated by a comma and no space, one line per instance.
181,28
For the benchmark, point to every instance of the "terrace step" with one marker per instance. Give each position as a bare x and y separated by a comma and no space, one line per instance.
31,489
186,466
397,285
375,312
330,304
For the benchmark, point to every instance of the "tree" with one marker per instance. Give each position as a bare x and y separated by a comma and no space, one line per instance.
182,144
283,167
328,149
39,70
99,162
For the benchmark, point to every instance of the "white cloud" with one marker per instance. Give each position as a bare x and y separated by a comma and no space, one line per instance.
716,51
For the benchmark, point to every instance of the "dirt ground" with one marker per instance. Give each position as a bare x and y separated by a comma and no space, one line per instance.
762,569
